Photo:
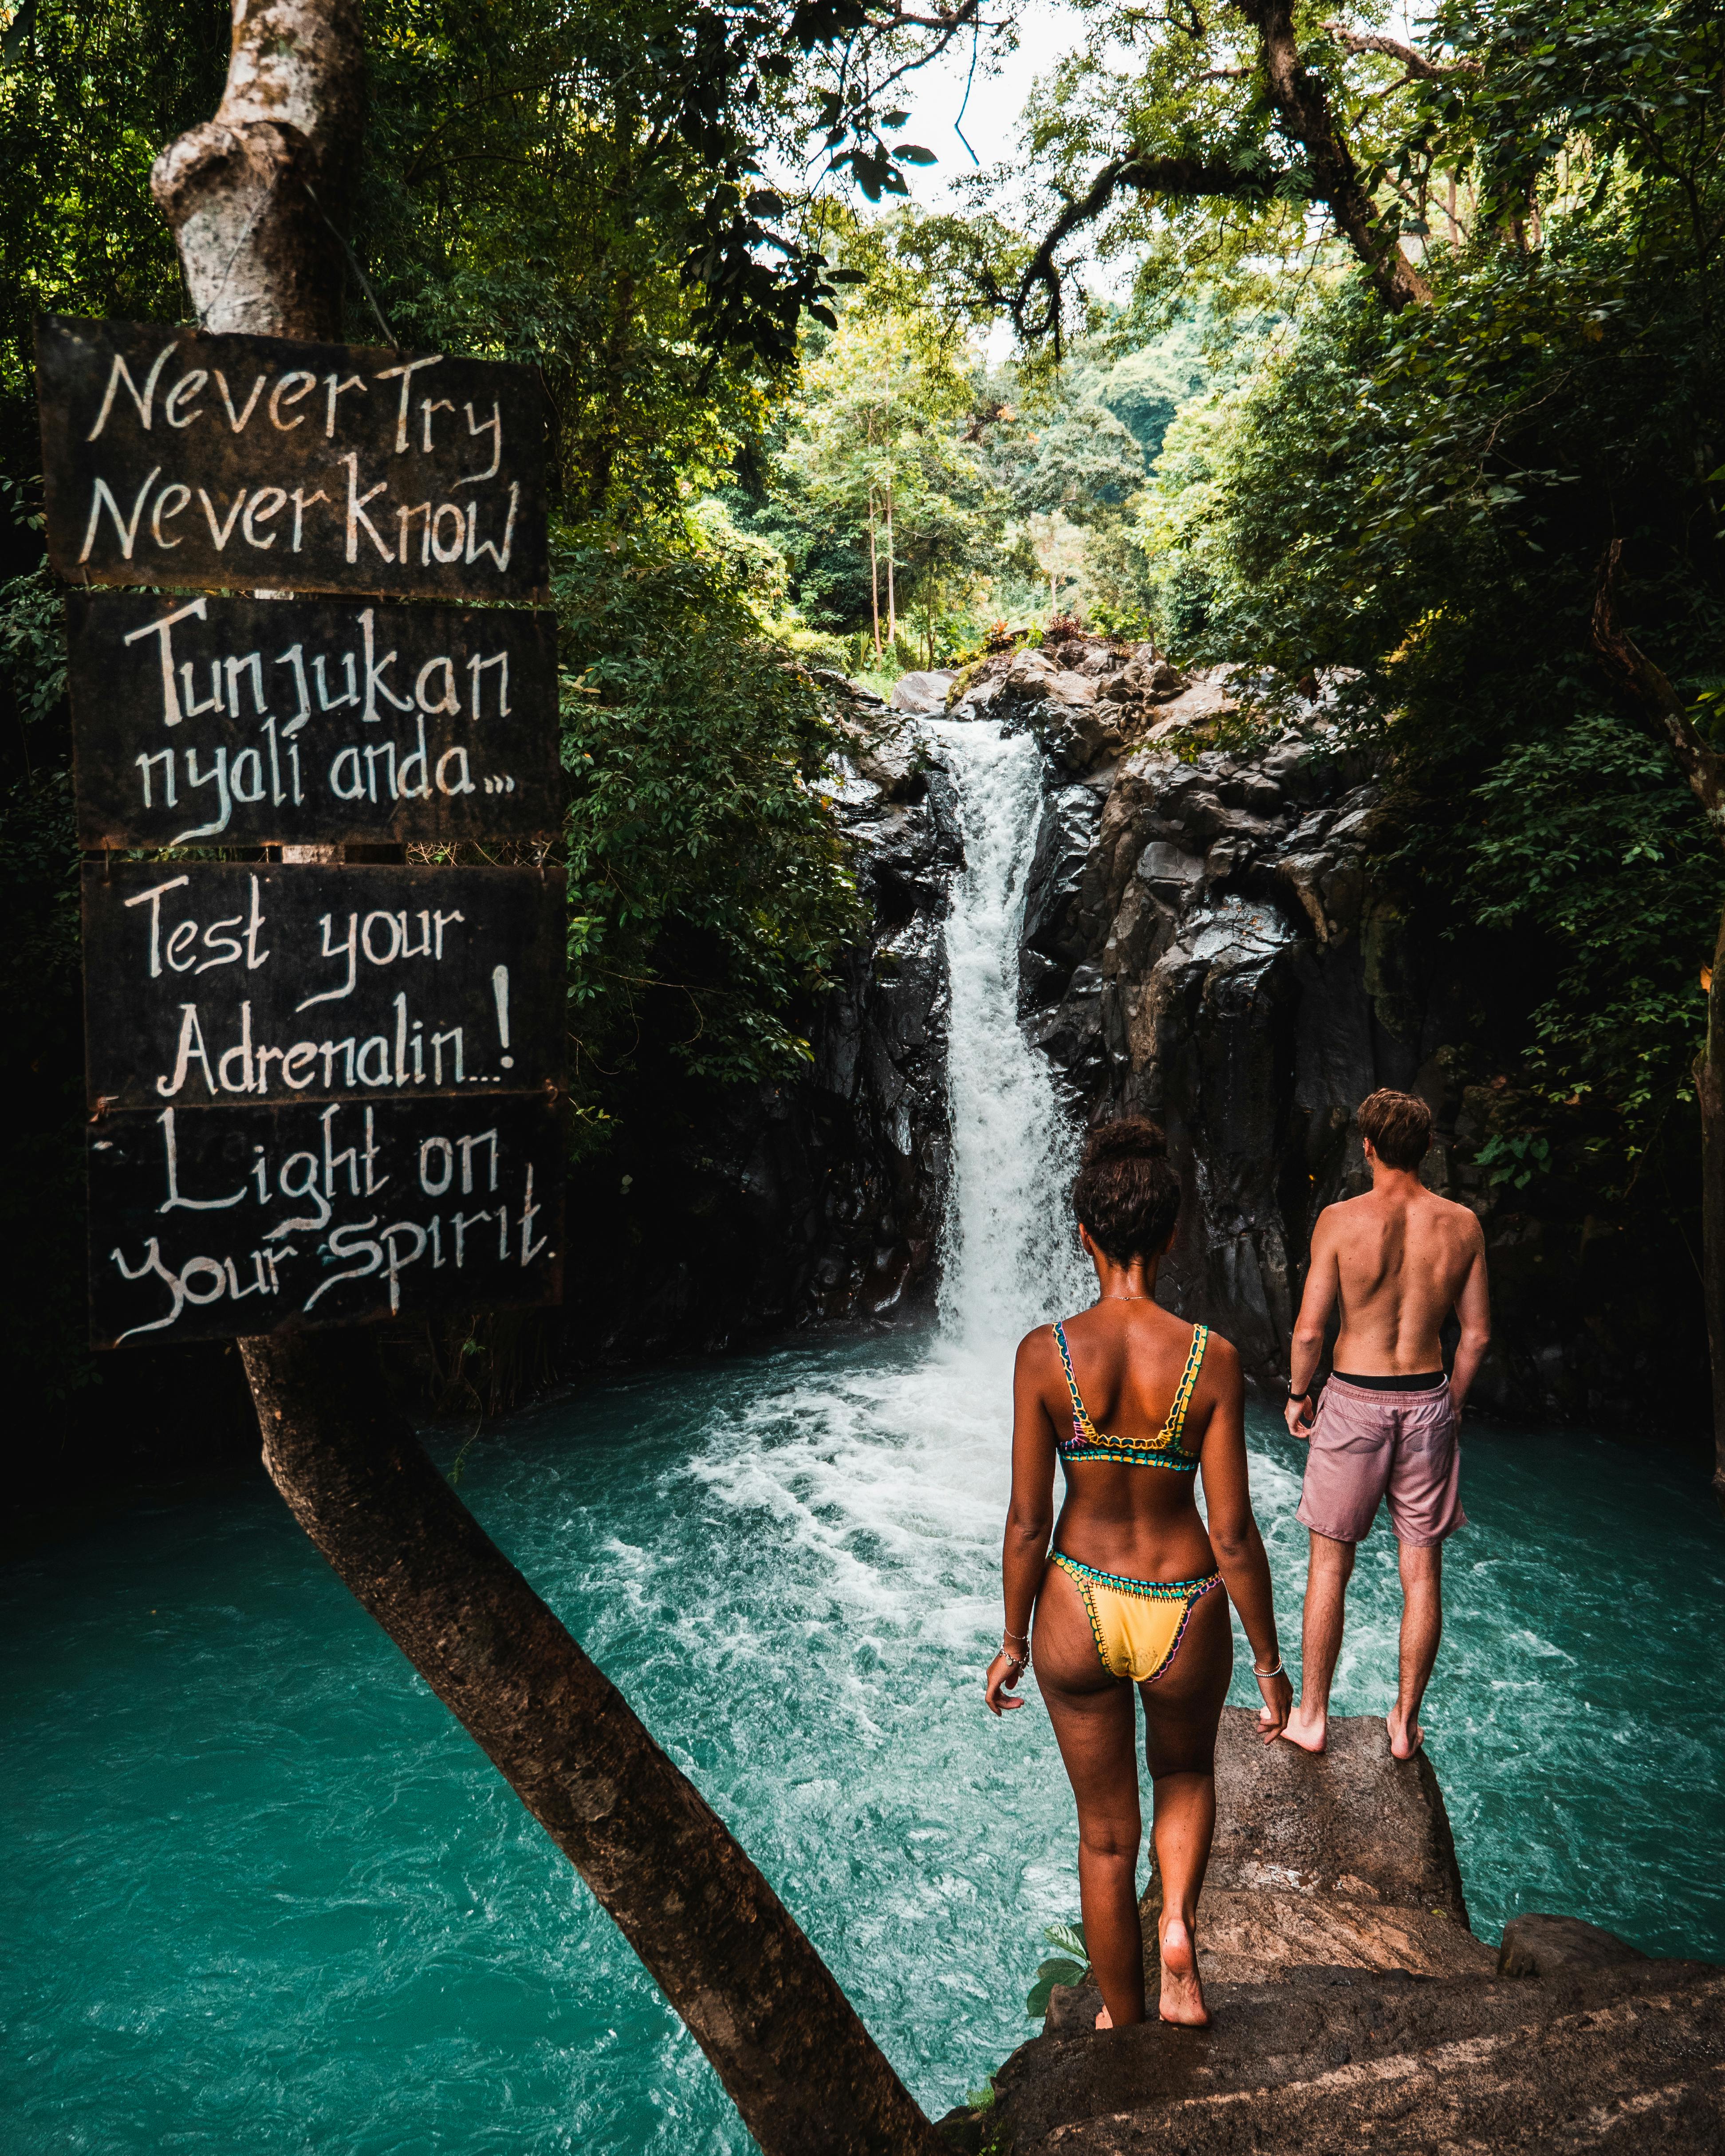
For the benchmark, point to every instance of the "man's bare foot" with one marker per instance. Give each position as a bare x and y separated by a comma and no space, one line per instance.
1405,1736
1181,1994
1105,2020
1307,1730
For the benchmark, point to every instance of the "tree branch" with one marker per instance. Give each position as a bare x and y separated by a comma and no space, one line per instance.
1415,62
1145,176
1303,113
1641,685
1303,117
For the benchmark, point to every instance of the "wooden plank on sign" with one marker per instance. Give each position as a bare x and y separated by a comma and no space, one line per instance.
241,722
209,1222
173,457
212,982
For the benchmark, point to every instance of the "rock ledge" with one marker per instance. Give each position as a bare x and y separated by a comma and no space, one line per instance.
1354,2010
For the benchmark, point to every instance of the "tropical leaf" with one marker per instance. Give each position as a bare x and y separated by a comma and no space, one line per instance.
1048,1975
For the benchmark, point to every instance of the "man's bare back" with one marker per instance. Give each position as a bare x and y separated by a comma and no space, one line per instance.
1398,1259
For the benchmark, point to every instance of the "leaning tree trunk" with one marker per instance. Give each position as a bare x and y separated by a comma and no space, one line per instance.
245,195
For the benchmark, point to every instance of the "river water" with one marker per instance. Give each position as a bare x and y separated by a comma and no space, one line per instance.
261,1897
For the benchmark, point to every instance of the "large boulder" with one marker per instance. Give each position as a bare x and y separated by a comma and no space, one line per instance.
1087,701
1353,2062
921,693
1543,1946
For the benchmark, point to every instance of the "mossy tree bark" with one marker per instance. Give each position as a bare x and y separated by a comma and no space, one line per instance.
245,194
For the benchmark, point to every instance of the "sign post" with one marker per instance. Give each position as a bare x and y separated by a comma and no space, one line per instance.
320,1094
172,457
237,722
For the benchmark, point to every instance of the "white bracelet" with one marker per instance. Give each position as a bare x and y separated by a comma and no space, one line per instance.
1264,1675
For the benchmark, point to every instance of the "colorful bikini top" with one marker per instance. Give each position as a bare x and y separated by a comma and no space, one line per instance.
1164,1450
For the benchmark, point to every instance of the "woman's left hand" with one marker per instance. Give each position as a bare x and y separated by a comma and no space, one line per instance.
1278,1697
1003,1675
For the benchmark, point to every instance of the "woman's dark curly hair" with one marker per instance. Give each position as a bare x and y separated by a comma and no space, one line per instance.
1126,1192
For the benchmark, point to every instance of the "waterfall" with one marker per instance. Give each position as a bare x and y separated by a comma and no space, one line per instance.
1009,1255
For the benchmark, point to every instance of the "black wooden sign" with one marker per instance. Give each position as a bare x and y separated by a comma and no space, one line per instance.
208,982
205,1223
237,721
172,457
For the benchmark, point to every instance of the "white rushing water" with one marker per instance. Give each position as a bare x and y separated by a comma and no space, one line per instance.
894,1466
1009,1255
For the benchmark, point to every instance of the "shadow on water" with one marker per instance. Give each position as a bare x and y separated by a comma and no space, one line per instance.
264,1896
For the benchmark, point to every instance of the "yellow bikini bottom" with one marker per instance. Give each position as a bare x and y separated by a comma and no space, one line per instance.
1137,1623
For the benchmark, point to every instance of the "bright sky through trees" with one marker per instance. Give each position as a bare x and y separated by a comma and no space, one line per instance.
1046,29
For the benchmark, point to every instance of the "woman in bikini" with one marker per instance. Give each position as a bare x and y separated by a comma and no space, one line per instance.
1135,1404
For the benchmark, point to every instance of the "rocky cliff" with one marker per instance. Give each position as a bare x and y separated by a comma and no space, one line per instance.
1207,940
820,1198
1353,2008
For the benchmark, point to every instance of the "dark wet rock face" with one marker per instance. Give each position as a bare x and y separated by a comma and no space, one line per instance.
877,1093
1207,941
820,1198
1195,949
1543,1946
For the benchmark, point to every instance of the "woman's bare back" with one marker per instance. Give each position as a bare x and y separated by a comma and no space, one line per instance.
1129,1358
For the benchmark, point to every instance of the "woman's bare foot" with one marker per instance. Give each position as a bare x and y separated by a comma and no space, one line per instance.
1405,1734
1306,1729
1105,2020
1181,1994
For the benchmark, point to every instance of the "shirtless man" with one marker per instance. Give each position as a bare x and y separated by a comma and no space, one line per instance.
1400,1260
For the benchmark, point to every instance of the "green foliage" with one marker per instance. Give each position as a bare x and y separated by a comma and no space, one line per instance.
1515,1161
1077,458
88,95
41,1327
1148,383
33,648
1071,1966
708,890
1583,841
879,456
513,145
1422,503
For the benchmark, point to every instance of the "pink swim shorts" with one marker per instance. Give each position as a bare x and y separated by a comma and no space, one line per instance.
1368,1444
